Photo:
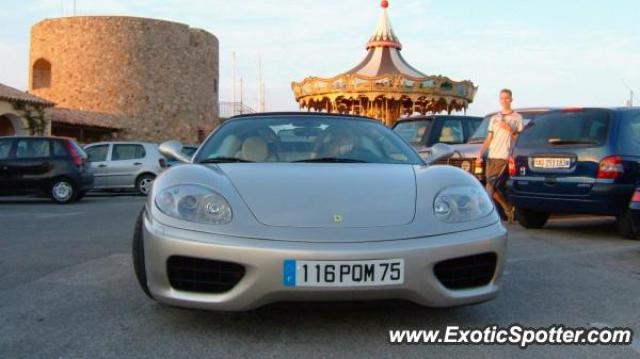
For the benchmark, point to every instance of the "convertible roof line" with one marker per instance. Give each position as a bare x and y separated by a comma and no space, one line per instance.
300,113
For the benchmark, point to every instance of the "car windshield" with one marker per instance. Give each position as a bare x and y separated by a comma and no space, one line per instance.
412,131
312,139
562,128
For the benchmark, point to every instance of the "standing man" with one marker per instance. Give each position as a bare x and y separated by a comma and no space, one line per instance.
504,128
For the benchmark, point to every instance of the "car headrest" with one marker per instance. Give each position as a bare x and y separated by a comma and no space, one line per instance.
255,149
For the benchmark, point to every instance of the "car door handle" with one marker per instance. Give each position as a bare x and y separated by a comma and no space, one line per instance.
102,166
138,164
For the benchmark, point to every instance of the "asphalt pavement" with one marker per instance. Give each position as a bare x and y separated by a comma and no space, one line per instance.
67,290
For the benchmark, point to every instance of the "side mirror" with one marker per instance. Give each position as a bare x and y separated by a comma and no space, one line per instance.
173,150
437,152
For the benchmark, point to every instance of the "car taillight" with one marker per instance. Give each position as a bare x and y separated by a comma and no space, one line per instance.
512,167
163,163
636,197
610,168
75,155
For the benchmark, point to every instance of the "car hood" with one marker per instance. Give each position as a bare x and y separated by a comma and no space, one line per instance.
322,195
467,150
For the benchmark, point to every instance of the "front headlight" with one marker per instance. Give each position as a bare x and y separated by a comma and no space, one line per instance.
194,203
462,204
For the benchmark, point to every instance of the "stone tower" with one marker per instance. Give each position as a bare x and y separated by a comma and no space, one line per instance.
161,75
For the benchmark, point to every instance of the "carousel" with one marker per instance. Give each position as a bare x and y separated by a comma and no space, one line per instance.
384,86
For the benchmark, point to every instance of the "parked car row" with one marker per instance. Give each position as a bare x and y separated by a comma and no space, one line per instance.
569,161
64,171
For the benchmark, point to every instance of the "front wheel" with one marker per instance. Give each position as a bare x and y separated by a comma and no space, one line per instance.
62,191
531,219
625,226
144,183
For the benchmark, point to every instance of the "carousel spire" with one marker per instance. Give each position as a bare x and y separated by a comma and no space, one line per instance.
384,35
383,85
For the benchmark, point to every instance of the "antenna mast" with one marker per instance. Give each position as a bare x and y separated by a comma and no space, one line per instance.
233,96
261,85
241,95
631,94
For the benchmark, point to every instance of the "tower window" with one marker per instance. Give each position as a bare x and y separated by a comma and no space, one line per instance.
41,74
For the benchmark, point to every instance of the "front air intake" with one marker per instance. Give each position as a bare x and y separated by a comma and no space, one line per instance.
203,275
467,272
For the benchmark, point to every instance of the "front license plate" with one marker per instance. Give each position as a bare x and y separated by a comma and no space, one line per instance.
343,273
552,162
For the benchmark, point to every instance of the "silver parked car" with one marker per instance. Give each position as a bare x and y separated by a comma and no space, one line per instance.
125,165
298,206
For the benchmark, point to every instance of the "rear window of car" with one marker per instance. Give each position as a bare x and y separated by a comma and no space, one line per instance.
59,149
634,127
33,148
451,132
480,133
5,148
567,128
412,131
127,152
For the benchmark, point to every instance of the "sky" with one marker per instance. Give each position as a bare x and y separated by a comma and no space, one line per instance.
549,52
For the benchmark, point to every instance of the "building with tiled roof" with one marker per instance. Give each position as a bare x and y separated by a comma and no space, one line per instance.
86,126
22,114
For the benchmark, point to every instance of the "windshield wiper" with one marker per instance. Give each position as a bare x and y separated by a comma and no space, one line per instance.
558,141
475,140
224,160
331,160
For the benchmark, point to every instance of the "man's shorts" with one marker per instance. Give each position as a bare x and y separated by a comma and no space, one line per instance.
496,172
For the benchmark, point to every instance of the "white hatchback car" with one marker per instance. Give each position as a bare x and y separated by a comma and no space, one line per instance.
125,165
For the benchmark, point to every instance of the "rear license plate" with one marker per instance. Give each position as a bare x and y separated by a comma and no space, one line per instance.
343,273
552,162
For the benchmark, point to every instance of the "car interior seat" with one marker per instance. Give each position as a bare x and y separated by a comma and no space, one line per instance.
447,135
254,149
229,146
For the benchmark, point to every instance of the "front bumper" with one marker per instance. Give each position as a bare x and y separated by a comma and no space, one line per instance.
263,260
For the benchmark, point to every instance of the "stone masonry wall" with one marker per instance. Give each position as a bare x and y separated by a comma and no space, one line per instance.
161,75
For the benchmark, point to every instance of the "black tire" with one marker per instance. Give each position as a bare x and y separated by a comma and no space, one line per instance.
625,226
144,182
137,253
531,219
62,191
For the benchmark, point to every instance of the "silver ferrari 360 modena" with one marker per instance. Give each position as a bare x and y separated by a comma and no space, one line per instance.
307,207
